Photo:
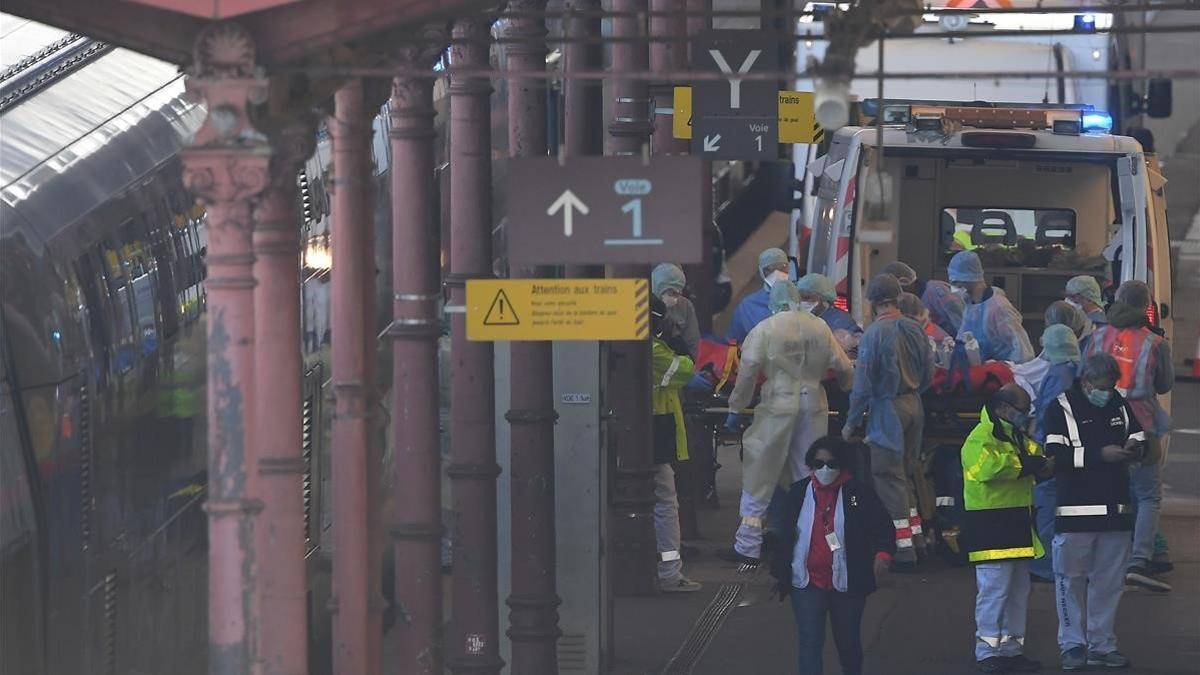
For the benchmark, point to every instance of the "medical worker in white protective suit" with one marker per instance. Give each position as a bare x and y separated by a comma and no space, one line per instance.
793,350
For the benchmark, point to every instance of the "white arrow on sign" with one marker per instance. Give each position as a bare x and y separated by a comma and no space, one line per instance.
712,143
568,203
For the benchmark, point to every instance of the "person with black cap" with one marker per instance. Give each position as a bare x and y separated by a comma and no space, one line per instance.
895,364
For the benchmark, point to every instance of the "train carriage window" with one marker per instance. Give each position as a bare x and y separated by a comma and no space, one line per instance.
120,295
143,278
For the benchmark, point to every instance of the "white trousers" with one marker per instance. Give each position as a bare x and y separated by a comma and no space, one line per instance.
1089,577
666,524
1001,605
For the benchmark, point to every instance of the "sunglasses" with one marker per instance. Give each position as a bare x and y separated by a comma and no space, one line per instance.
821,464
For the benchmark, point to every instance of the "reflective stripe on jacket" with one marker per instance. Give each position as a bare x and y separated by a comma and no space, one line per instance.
998,524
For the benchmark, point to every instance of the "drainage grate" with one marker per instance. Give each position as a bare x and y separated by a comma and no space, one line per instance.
704,630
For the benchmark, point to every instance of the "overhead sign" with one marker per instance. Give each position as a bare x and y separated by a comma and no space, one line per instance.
734,53
604,210
736,137
558,309
797,123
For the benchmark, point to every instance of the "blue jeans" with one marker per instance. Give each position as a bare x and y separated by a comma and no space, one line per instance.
1043,517
1145,485
811,605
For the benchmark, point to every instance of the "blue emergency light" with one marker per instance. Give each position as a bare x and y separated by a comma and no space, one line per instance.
1085,23
1097,120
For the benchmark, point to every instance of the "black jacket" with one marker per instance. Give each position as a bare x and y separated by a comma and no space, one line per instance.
1092,495
868,531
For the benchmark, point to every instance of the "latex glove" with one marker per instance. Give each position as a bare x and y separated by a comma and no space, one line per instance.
700,382
733,422
847,432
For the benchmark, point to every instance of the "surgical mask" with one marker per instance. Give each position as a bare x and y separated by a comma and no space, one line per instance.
1099,397
774,277
670,300
1074,304
808,306
959,292
826,475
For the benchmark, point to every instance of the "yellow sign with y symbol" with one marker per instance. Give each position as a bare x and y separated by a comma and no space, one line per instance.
797,123
558,309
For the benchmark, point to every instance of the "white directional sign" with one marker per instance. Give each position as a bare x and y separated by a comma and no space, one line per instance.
737,52
568,203
595,210
736,138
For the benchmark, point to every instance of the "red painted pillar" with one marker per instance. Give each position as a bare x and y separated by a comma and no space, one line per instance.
414,332
375,92
700,277
633,552
583,100
283,636
351,573
533,602
227,172
474,636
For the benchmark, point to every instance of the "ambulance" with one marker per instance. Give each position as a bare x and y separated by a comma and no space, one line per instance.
1041,192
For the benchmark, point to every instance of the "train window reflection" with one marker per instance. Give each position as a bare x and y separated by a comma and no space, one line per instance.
116,282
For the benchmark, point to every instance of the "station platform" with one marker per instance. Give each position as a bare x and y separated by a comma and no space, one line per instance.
916,624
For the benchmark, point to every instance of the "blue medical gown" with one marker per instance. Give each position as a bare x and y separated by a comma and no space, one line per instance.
888,345
840,320
749,313
996,325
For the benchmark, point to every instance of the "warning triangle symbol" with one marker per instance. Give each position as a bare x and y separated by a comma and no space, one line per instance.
501,313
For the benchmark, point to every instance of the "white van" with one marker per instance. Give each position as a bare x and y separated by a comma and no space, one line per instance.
1042,193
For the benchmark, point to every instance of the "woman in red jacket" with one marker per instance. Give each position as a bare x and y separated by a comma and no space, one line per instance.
827,563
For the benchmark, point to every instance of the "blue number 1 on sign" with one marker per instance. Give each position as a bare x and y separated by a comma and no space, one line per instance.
633,207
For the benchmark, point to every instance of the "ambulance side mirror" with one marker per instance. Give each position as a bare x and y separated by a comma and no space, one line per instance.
1159,97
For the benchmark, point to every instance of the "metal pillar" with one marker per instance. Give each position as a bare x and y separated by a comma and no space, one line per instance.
227,170
414,333
700,276
634,553
534,600
474,636
351,220
375,93
583,100
283,636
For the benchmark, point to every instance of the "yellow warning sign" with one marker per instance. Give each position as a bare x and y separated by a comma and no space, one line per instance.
681,120
558,309
501,313
797,124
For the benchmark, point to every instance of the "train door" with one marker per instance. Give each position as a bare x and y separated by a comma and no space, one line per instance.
22,624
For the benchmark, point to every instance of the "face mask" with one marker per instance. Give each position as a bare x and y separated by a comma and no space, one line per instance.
774,277
826,475
1099,397
808,306
1074,304
959,292
670,300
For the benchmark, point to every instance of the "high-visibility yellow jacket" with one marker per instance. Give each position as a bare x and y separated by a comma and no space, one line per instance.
670,373
998,524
